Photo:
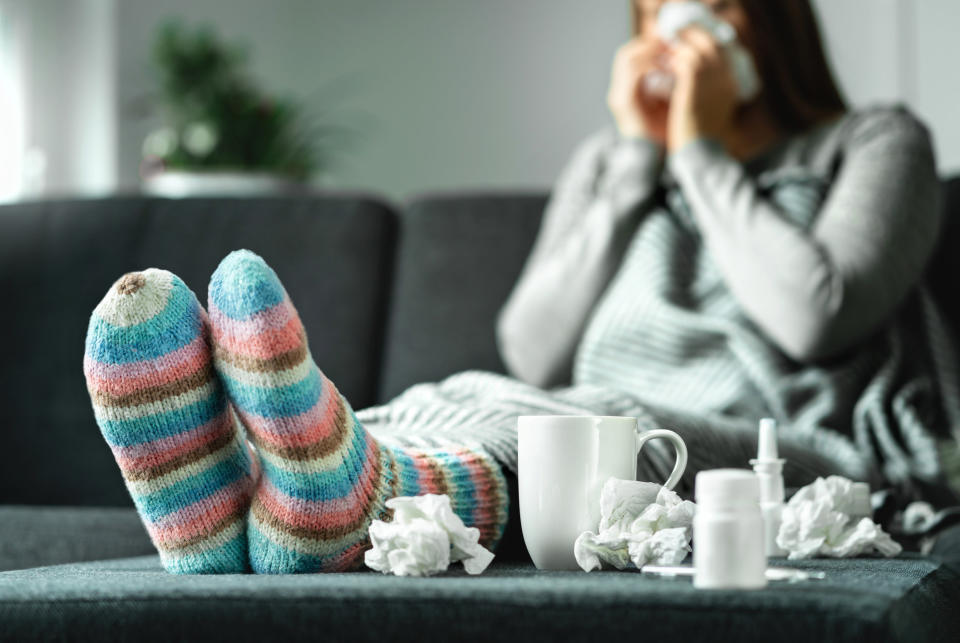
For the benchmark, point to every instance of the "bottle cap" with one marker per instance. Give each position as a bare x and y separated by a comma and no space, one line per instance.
767,444
727,488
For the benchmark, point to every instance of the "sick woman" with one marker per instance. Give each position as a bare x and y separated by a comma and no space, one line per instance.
736,244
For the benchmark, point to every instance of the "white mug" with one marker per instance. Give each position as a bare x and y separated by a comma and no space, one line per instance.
562,463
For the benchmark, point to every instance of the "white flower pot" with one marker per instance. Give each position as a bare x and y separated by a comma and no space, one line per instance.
177,184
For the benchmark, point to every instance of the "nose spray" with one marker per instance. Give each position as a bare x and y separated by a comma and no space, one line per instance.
769,469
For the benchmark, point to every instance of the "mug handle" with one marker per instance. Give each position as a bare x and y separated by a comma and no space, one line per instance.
678,445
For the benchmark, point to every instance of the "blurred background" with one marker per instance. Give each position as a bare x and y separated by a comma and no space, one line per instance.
397,98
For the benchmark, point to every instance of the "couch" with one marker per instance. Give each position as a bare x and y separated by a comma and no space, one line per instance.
391,295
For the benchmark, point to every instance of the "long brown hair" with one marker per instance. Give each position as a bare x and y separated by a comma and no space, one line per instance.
799,86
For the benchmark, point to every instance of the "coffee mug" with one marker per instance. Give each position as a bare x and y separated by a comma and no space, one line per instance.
562,463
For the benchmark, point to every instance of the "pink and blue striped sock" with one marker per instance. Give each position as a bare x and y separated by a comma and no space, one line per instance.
325,478
163,412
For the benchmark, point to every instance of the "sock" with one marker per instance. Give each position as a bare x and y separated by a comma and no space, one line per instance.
325,478
162,410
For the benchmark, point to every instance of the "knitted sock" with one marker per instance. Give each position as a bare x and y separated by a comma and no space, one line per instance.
163,412
325,478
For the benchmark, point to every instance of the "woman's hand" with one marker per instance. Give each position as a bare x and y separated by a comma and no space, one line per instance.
636,113
705,91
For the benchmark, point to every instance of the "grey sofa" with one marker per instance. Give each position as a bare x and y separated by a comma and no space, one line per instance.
391,295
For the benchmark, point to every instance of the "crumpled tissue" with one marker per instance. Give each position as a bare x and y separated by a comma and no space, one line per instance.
674,17
641,523
821,520
423,538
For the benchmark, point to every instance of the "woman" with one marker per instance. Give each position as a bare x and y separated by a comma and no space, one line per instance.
700,265
741,260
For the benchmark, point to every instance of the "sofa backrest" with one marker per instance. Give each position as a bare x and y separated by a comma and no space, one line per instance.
57,259
458,258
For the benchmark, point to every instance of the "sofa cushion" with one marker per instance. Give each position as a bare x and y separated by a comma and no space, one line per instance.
905,599
35,536
58,258
458,259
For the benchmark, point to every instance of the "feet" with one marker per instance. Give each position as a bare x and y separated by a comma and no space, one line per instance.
167,417
325,478
163,412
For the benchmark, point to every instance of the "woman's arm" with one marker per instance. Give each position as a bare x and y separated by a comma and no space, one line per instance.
816,293
593,209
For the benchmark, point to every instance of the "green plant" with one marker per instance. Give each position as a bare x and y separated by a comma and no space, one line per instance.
218,118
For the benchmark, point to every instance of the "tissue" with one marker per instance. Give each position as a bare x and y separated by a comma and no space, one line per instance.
826,518
673,17
423,538
640,523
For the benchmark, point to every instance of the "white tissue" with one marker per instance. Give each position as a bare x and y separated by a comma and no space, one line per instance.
821,520
841,494
640,523
677,16
423,538
673,17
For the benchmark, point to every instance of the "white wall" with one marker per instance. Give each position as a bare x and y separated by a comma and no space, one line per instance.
938,86
446,94
906,50
451,94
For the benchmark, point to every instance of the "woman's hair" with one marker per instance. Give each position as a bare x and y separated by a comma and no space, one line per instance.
799,86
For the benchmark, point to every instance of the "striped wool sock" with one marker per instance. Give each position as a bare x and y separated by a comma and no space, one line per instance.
163,412
325,478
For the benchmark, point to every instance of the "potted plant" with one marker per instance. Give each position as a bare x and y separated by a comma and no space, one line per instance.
223,134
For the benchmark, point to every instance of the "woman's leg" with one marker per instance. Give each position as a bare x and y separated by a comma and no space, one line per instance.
325,478
163,412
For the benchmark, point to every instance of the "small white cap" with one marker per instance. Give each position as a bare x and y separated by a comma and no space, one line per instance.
767,444
727,488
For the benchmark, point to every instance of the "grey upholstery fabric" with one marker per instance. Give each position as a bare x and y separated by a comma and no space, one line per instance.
57,259
459,256
36,536
946,547
905,599
945,266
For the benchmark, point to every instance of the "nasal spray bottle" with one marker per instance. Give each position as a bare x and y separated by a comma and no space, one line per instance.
769,469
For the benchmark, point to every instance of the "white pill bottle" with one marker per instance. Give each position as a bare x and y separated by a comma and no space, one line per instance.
728,538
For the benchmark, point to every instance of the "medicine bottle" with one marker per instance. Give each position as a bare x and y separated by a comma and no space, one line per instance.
728,538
